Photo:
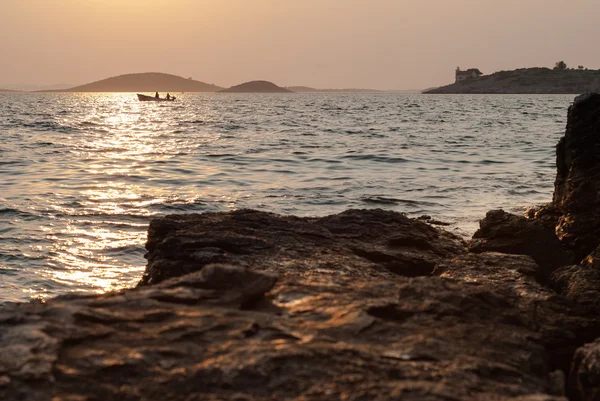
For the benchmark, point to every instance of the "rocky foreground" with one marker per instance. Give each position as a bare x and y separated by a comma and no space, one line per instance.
363,305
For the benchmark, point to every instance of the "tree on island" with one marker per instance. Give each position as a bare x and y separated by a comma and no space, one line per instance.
560,65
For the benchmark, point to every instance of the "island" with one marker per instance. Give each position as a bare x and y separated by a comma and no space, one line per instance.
538,80
256,87
145,82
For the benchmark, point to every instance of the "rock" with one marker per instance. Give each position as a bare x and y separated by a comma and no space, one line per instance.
547,215
556,236
503,272
584,383
228,333
574,214
508,233
563,325
234,285
366,243
576,193
581,283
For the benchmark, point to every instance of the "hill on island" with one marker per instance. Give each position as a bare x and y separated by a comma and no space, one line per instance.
145,82
307,89
527,81
256,87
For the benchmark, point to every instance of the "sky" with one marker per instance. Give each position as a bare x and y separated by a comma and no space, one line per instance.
377,44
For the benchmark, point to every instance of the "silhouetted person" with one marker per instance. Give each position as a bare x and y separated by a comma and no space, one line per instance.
156,95
168,96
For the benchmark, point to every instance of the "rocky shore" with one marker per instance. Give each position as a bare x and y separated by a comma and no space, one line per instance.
362,305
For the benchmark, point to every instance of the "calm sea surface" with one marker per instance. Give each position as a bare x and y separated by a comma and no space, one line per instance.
81,175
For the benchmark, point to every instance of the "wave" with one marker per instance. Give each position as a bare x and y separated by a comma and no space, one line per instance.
377,158
395,201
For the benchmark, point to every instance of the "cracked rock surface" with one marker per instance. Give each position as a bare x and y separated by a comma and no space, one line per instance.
229,333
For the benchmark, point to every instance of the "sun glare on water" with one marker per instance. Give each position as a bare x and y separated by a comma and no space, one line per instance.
120,139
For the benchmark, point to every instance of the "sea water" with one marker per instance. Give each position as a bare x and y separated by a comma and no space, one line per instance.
81,175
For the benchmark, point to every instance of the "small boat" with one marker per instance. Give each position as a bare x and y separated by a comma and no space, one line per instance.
144,98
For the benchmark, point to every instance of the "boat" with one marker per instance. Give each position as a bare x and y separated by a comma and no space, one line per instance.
144,98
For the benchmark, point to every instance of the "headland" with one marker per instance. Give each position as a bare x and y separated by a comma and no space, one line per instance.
524,81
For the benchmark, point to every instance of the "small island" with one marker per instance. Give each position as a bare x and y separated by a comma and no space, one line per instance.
256,87
559,80
145,82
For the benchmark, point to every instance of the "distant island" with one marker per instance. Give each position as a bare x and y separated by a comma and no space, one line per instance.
145,82
150,82
559,80
307,89
256,87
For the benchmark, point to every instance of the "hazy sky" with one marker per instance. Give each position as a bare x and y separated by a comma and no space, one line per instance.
383,44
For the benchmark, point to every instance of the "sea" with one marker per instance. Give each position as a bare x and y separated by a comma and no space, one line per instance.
82,175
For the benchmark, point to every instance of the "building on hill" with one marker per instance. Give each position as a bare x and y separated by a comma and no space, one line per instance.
471,73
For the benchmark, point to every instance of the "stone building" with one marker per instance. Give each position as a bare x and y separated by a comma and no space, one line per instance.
471,73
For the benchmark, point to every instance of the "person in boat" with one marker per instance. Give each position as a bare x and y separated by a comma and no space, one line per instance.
168,96
156,95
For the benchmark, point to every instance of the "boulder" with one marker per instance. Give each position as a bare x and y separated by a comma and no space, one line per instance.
574,214
508,233
577,185
581,283
584,380
365,243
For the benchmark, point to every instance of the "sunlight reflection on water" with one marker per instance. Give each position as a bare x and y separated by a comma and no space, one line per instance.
126,141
